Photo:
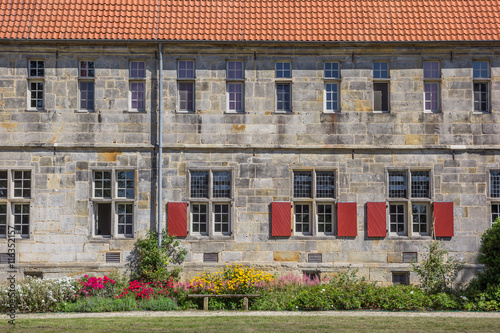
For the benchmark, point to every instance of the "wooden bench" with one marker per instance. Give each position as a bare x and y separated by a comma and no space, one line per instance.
206,297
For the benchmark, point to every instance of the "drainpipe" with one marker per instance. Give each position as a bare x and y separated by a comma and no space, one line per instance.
160,142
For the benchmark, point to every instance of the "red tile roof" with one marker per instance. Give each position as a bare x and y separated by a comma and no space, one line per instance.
257,20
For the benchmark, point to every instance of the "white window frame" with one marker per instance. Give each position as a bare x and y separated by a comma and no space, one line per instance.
10,201
230,81
481,79
113,200
494,198
283,77
190,79
428,219
86,78
313,201
210,200
36,79
404,232
382,80
87,74
408,201
432,80
329,78
137,79
495,211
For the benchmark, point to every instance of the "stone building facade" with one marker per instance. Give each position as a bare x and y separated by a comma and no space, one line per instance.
291,157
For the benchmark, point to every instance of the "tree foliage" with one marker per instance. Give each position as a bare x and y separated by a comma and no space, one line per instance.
489,256
436,274
152,263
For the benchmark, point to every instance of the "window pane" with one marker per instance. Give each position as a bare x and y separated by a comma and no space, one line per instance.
302,221
22,184
331,97
381,96
221,184
420,184
283,97
221,218
397,184
283,70
431,70
186,69
235,97
302,184
481,69
325,184
380,70
199,218
235,70
332,70
199,184
495,183
186,95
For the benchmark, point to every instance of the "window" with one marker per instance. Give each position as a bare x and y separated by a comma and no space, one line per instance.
409,200
235,86
36,84
211,201
283,75
481,75
432,86
400,278
314,202
86,85
113,202
495,194
137,85
185,85
332,86
381,86
15,202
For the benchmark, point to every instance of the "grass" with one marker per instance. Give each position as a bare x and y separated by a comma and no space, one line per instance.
255,324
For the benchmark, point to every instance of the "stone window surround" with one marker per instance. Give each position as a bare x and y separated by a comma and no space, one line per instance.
482,80
408,201
436,80
383,80
10,201
113,201
37,78
494,201
327,79
210,202
313,203
402,278
191,80
235,81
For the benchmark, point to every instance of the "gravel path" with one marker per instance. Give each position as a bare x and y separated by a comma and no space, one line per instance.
143,314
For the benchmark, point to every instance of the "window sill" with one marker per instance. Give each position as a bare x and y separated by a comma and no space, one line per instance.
201,238
480,113
382,112
36,110
408,238
134,111
106,239
284,112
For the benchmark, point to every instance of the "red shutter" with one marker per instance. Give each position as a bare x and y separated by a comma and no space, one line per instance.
281,219
347,219
443,219
376,219
177,219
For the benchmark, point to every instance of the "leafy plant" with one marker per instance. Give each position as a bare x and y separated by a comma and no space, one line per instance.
99,304
158,304
489,256
96,286
436,274
151,263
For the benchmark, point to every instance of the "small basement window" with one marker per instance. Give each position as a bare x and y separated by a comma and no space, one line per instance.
400,278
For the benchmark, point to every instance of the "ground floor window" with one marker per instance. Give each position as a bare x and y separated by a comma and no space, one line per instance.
400,278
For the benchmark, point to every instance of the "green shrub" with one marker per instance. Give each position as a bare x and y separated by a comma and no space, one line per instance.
489,256
445,301
436,274
37,295
396,298
151,262
158,304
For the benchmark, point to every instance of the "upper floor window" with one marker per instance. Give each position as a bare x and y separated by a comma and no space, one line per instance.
137,84
235,86
36,84
283,74
86,85
432,86
211,195
381,86
495,183
481,75
185,85
87,69
283,70
332,87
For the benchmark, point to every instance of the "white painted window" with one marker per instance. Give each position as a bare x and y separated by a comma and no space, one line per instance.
235,84
283,76
36,84
210,193
185,86
381,88
332,87
15,203
432,86
137,86
113,200
86,85
481,77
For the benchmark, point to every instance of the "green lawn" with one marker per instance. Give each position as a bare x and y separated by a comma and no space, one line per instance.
255,324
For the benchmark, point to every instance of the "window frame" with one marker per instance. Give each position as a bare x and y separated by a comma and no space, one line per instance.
331,80
230,81
494,200
283,98
314,201
408,200
10,201
482,80
137,79
186,80
382,81
114,200
210,200
86,79
432,80
37,78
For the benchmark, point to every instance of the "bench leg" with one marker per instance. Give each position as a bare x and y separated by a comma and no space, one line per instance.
245,303
205,303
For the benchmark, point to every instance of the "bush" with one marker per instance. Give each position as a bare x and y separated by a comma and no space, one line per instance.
489,256
96,286
99,304
148,290
158,304
151,262
436,274
37,295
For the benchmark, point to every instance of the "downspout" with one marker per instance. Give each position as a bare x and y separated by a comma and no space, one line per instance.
160,142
